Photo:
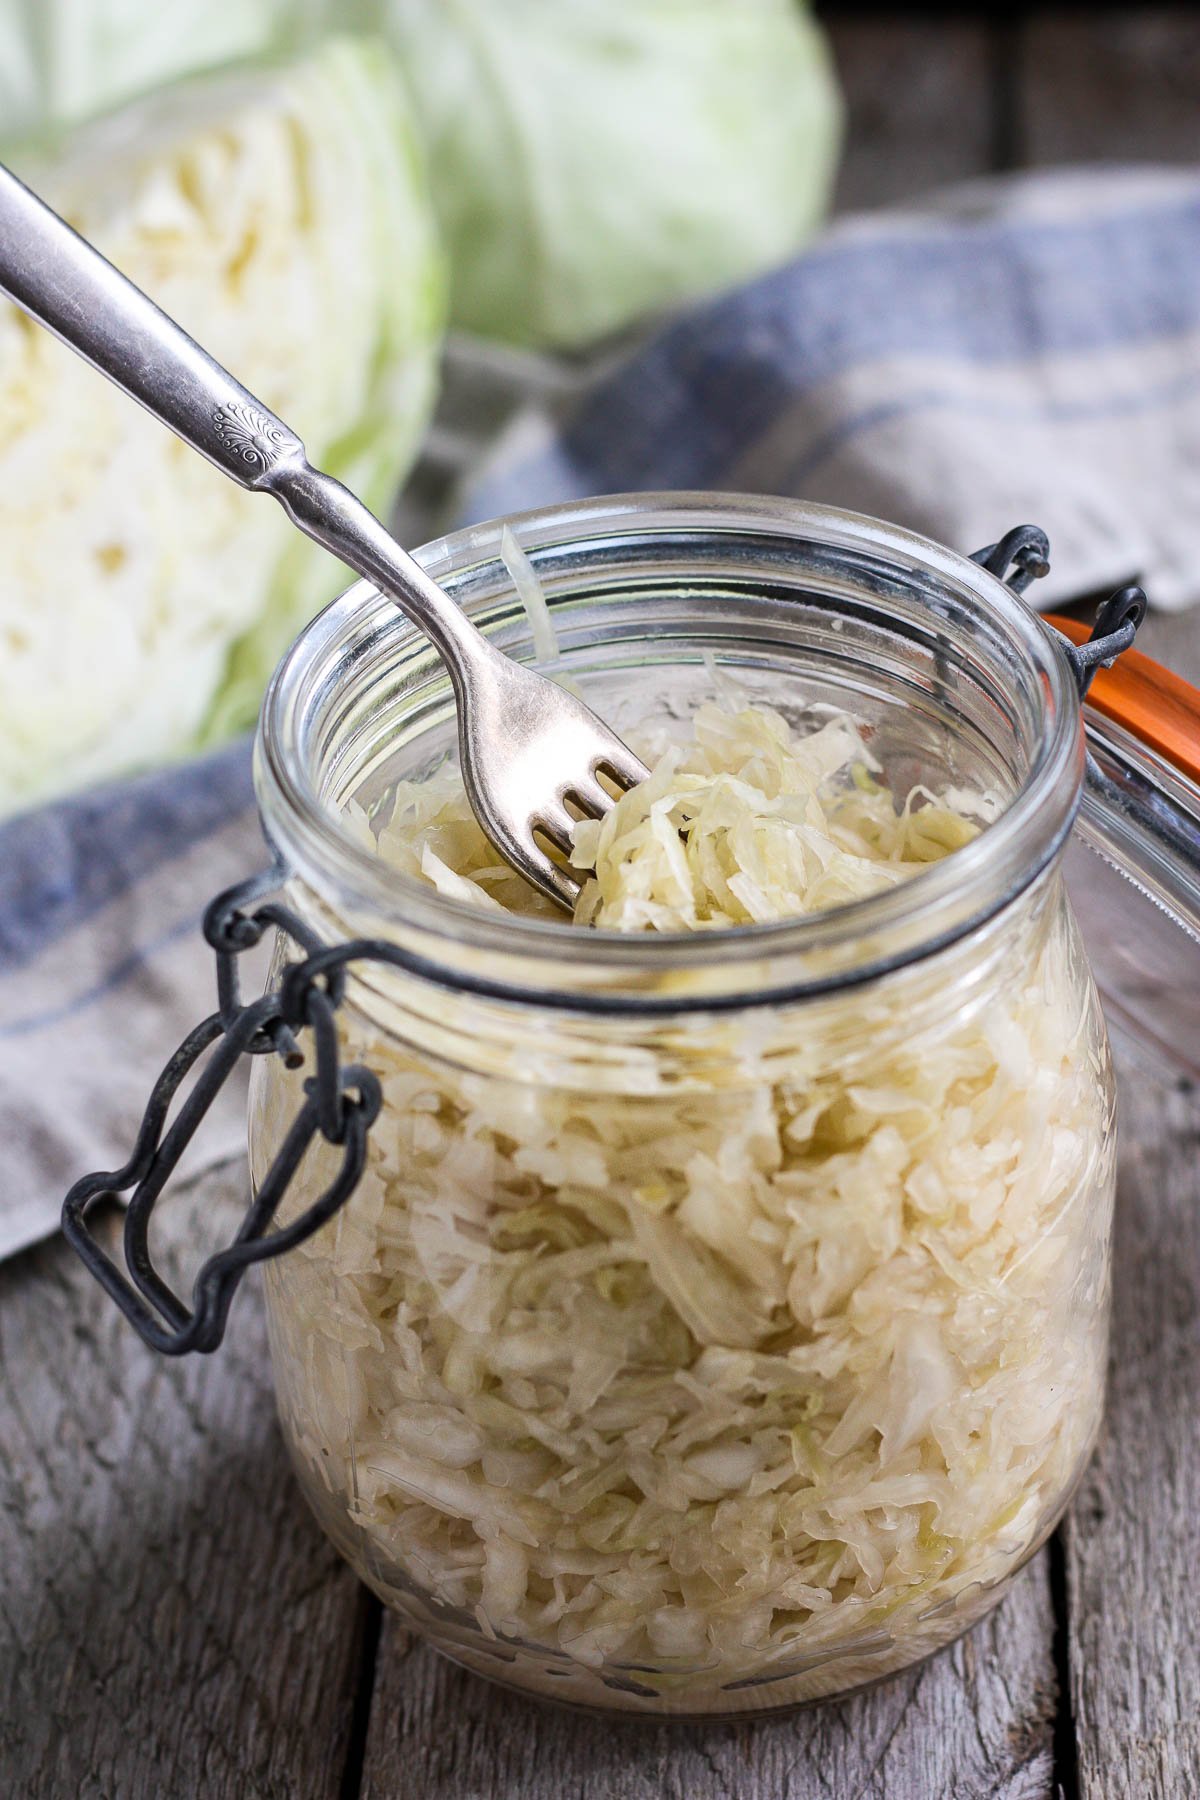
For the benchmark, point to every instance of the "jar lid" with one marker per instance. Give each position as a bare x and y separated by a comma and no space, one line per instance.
1133,868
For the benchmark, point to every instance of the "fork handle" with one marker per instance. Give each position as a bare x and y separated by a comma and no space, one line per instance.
67,286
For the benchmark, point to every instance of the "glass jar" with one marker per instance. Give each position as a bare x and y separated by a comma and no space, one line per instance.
720,1322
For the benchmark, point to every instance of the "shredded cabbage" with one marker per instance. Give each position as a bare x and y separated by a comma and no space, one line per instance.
744,824
759,1357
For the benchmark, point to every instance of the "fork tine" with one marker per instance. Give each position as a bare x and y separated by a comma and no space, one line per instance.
621,765
590,797
555,822
558,883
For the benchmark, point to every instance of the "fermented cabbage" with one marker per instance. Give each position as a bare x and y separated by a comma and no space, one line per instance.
281,215
738,1365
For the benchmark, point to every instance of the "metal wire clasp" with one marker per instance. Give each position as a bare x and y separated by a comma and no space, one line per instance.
1022,556
1117,621
340,1105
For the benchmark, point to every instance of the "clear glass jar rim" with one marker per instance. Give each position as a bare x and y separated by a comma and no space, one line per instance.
911,920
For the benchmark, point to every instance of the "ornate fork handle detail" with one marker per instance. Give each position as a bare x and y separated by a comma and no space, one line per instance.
251,435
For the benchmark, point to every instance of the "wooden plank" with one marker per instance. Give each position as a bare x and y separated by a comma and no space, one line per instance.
1132,1573
976,1721
1110,86
172,1623
919,105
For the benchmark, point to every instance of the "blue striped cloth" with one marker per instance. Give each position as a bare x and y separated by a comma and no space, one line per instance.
102,970
1018,350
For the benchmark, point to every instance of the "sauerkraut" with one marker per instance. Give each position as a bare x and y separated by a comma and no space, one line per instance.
742,823
735,1370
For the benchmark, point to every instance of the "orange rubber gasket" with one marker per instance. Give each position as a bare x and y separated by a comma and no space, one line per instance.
1156,705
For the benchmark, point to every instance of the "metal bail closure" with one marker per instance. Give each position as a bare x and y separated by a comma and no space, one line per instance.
1022,556
1117,621
340,1106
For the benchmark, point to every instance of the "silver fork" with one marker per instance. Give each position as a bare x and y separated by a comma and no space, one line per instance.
527,746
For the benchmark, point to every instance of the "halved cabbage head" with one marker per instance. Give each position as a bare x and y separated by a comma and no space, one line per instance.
280,214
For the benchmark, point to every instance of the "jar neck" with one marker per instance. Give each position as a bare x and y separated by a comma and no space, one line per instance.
799,594
763,1037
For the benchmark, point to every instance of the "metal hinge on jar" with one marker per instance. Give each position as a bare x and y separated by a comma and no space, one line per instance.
340,1105
1022,556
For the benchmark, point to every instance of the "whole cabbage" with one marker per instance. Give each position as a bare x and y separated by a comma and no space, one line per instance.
281,215
599,160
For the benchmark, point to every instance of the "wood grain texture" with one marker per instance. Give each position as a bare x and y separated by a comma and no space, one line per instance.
976,1721
919,105
1110,86
1132,1571
172,1623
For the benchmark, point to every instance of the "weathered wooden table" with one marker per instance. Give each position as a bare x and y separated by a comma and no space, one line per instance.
172,1624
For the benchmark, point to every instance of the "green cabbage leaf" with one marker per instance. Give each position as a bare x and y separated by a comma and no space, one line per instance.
63,61
596,162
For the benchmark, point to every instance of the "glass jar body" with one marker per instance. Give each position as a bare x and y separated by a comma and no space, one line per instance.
717,1364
